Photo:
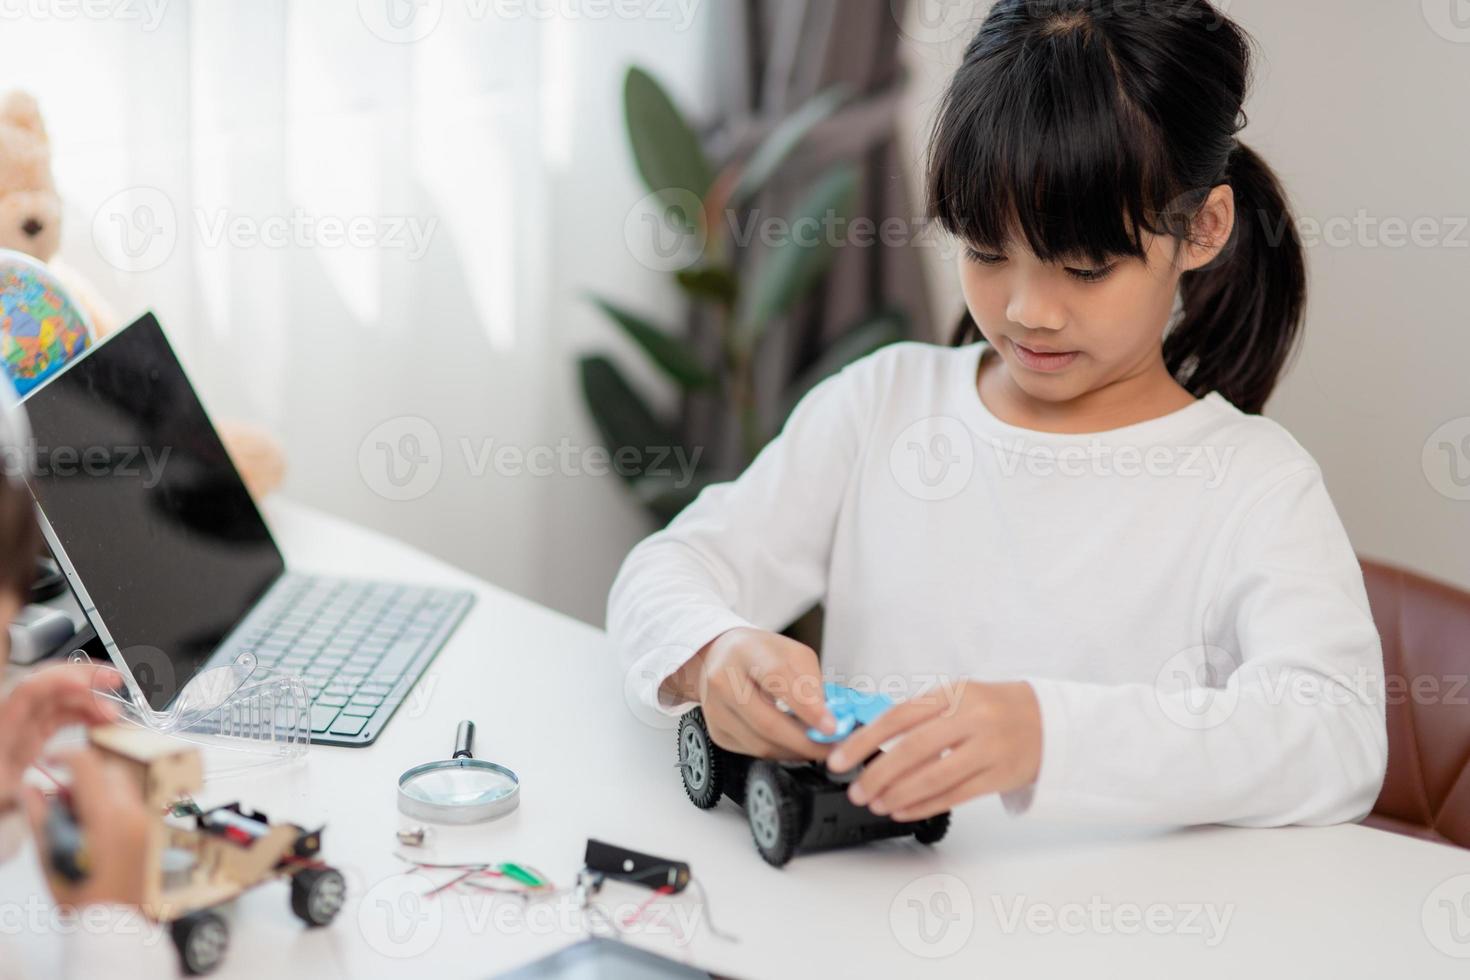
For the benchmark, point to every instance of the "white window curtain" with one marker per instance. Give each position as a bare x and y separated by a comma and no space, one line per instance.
352,212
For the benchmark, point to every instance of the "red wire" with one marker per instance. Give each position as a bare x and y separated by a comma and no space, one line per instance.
49,775
469,872
449,884
658,893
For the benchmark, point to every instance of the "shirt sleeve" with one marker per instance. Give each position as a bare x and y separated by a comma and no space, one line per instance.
1278,720
751,552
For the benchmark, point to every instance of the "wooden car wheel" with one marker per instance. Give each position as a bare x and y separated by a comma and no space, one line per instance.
202,938
317,895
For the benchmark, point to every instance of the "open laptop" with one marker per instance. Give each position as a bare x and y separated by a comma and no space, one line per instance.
176,570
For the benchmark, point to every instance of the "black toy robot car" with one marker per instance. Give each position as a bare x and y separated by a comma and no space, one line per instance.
790,806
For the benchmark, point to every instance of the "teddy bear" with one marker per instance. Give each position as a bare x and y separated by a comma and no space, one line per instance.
30,222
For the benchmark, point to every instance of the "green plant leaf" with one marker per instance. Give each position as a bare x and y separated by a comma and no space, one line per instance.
665,148
796,264
620,413
878,330
670,353
783,140
709,282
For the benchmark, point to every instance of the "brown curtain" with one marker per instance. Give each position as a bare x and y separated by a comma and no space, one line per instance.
769,57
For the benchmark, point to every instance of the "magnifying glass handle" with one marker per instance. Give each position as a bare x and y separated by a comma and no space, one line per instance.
464,740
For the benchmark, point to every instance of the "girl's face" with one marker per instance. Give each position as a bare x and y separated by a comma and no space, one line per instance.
1070,328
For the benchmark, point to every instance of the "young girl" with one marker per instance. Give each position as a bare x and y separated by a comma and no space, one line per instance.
1116,591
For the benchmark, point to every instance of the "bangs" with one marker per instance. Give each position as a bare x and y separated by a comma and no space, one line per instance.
1037,143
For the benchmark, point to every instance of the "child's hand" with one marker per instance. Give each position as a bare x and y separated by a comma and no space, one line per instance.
737,678
958,743
38,706
114,825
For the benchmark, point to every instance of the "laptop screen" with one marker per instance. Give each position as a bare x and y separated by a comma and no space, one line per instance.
145,508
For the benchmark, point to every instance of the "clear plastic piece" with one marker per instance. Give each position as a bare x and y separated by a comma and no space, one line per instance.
241,715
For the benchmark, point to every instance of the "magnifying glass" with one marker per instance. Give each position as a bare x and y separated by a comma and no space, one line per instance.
460,790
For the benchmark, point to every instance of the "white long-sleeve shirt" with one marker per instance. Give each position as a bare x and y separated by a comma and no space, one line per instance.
1180,593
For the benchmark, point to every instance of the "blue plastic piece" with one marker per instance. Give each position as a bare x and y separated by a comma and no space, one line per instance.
851,709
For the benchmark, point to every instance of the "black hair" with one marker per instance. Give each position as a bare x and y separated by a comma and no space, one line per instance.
20,532
20,540
1081,124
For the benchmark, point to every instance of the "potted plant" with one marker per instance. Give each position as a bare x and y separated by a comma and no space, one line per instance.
743,298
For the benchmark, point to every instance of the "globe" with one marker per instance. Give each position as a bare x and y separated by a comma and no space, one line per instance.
41,329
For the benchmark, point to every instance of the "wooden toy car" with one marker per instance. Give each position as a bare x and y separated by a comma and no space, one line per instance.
226,852
790,806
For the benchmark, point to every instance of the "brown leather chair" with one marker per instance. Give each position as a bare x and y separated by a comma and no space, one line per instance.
1425,626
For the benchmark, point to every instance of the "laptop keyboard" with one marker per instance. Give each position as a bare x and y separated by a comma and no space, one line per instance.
359,645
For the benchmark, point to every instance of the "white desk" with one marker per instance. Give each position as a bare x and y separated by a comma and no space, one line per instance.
1021,898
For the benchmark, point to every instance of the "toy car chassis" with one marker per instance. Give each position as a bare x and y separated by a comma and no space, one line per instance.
193,869
234,851
791,807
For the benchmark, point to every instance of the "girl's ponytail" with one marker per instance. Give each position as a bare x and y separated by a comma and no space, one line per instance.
1243,312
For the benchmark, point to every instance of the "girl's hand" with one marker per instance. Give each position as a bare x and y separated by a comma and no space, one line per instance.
114,825
958,743
737,678
38,706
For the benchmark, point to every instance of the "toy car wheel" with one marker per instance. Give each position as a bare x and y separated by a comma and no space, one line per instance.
774,812
699,761
202,938
317,895
932,830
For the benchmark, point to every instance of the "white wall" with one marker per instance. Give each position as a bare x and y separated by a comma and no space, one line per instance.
506,134
591,523
1360,107
559,538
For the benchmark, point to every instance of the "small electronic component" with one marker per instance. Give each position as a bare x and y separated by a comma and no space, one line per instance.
184,807
589,883
228,822
413,836
524,875
638,869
